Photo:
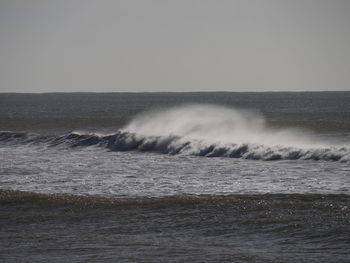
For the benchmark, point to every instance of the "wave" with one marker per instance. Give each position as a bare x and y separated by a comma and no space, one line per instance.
201,130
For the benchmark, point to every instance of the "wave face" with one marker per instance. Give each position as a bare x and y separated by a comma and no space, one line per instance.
202,130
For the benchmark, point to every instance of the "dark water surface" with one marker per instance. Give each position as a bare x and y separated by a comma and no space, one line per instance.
246,228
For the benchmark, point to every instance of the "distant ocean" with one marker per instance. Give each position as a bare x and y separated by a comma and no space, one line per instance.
175,177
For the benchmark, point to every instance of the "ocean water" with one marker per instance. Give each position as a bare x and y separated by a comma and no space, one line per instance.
175,177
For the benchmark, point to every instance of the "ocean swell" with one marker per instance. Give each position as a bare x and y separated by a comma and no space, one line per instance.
200,130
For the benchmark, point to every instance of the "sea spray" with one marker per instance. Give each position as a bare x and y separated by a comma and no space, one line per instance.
216,124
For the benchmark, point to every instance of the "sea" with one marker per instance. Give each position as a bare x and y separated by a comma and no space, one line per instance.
175,177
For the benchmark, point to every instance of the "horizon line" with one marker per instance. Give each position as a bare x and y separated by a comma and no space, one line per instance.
222,91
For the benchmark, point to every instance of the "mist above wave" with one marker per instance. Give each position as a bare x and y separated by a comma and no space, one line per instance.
217,124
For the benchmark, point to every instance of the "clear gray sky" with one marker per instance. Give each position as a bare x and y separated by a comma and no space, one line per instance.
178,45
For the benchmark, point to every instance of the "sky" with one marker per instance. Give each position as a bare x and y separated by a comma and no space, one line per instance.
178,45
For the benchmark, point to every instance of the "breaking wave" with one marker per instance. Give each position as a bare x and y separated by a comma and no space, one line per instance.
201,130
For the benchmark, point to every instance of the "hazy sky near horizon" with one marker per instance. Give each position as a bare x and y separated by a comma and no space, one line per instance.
179,45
